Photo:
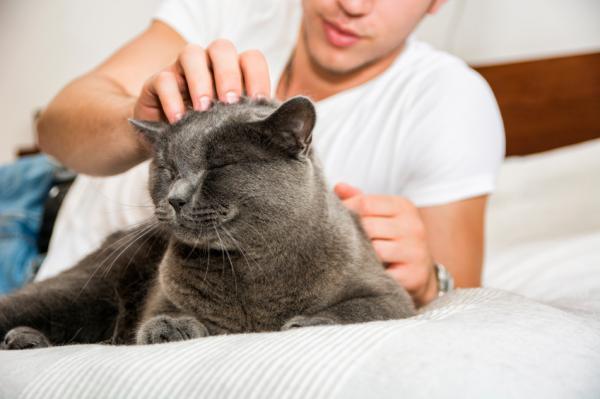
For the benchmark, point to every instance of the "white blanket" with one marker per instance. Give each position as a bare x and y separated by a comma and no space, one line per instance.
479,343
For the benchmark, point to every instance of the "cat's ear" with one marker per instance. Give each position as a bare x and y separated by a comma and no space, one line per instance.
151,130
292,123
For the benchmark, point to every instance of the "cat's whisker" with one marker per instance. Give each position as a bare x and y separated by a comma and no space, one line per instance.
208,261
228,257
135,233
260,234
125,242
74,336
266,223
193,248
239,247
129,234
139,237
138,248
237,243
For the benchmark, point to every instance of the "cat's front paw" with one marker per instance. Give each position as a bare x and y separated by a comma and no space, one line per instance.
165,328
307,321
24,338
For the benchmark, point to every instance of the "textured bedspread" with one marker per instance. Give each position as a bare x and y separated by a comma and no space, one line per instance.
472,343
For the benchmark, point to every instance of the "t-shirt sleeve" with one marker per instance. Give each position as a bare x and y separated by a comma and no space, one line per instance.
197,21
456,139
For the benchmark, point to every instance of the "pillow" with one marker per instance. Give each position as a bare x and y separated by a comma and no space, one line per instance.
561,268
543,224
550,195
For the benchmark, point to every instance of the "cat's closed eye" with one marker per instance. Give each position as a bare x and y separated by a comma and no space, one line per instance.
220,165
167,171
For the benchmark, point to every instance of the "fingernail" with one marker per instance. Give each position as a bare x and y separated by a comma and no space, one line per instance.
178,116
260,96
231,97
204,103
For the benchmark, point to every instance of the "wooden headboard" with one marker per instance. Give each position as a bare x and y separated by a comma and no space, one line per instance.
547,103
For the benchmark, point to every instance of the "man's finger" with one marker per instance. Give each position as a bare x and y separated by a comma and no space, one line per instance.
345,191
384,228
167,86
404,275
383,205
226,70
391,251
193,62
255,72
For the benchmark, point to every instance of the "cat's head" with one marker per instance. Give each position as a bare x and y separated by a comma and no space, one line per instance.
234,170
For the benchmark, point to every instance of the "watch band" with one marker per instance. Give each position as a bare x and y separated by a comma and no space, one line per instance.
444,278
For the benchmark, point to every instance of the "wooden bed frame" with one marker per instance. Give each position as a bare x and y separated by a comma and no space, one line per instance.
547,103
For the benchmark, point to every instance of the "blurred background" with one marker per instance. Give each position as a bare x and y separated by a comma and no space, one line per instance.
46,43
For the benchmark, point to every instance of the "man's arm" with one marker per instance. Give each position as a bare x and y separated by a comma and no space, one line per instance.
455,234
85,125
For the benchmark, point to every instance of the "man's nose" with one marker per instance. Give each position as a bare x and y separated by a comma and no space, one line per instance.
356,8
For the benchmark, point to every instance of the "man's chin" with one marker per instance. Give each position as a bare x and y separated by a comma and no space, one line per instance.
335,64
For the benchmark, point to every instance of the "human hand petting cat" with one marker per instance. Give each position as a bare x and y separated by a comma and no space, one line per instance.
198,76
399,237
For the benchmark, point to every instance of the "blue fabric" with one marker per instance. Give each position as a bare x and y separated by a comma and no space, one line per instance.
24,186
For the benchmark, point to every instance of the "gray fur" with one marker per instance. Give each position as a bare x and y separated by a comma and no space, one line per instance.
247,238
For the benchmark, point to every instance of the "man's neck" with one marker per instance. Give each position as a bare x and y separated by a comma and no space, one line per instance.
303,76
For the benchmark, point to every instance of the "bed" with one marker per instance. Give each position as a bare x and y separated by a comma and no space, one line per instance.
533,331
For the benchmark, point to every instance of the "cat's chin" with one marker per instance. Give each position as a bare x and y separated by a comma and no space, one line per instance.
209,238
192,236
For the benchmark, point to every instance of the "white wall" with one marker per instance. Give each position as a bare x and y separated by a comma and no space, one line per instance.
495,31
46,43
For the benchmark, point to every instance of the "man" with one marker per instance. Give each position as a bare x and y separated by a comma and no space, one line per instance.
415,131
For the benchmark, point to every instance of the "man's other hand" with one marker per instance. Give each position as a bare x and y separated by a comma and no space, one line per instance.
399,237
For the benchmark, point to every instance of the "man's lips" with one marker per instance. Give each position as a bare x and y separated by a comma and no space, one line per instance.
338,37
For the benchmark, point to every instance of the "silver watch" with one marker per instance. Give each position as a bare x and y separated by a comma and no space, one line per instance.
444,279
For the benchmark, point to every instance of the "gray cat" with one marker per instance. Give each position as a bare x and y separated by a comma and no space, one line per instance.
246,238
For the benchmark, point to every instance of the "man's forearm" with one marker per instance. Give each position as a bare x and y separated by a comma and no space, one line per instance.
90,133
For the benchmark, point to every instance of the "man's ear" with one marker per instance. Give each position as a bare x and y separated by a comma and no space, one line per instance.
291,125
151,130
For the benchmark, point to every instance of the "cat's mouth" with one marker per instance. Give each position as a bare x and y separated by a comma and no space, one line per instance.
197,222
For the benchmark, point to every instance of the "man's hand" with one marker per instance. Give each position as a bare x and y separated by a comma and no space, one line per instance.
200,75
398,235
153,77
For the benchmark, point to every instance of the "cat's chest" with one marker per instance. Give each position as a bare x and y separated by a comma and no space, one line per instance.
236,303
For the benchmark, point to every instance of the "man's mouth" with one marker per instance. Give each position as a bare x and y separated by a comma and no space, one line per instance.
339,37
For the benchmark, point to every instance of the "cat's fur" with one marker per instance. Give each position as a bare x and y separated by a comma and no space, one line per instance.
247,238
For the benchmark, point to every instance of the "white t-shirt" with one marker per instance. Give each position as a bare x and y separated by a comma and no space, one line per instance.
428,128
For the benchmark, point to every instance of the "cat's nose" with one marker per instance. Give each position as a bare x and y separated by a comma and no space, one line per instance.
177,202
181,193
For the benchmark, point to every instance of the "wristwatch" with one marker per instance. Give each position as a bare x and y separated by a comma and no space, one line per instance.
444,279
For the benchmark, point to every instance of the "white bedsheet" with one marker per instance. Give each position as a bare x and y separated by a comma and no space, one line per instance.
479,343
543,242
